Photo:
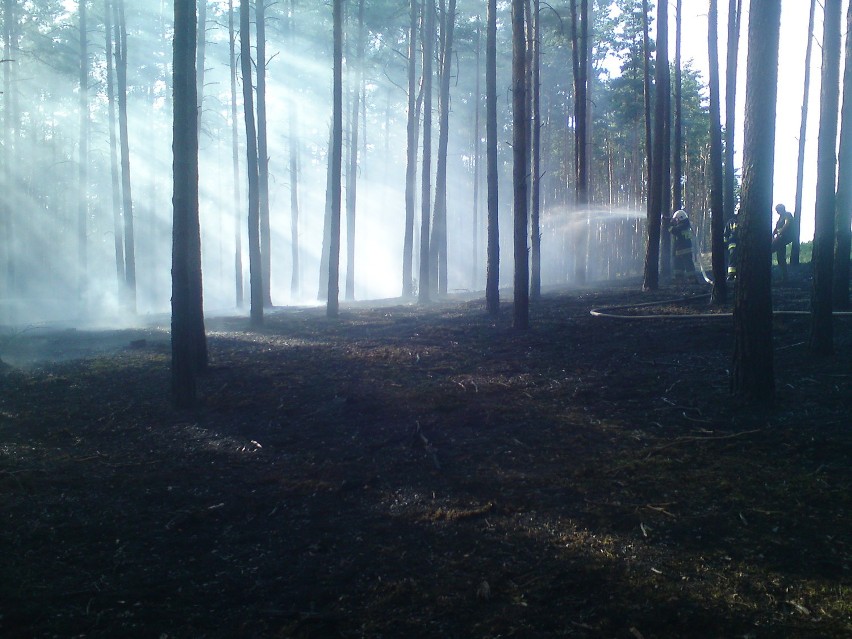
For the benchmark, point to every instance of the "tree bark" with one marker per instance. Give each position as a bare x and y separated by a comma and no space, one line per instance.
336,159
127,195
235,160
719,294
255,266
752,371
263,155
655,192
424,293
118,224
411,155
352,173
803,128
521,319
185,204
492,286
83,161
201,43
295,161
822,334
844,184
728,187
438,244
535,160
579,53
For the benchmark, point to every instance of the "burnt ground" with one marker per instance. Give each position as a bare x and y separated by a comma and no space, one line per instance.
411,472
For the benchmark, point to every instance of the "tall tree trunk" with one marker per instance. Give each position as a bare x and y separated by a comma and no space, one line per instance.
235,160
646,83
655,192
844,184
520,318
352,174
752,371
492,285
665,236
185,206
255,266
438,244
728,188
677,154
411,155
535,160
477,157
263,155
8,278
424,293
717,213
127,196
295,160
822,334
322,293
336,159
118,233
579,50
83,163
201,40
803,128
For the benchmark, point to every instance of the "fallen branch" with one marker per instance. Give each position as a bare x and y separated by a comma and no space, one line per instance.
684,440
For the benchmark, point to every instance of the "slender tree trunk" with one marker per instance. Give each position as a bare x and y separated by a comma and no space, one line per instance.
665,235
235,160
8,278
535,164
521,319
844,184
477,157
352,174
424,293
118,234
717,220
646,82
255,266
185,205
656,178
83,174
677,155
322,293
295,160
438,245
579,49
263,155
803,128
201,40
822,334
752,371
127,196
336,158
411,155
728,197
492,285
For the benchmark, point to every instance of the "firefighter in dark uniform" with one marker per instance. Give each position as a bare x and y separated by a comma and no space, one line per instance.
730,239
781,237
683,269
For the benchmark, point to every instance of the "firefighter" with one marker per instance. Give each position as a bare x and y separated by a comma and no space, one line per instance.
730,239
782,236
683,269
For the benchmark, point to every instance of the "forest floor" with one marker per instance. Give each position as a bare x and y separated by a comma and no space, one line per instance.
429,472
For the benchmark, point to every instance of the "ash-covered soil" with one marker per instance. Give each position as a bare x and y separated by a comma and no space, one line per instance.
429,472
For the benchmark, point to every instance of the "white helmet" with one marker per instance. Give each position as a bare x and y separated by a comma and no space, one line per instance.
679,216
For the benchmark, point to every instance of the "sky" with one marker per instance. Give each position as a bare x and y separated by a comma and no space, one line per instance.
791,70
